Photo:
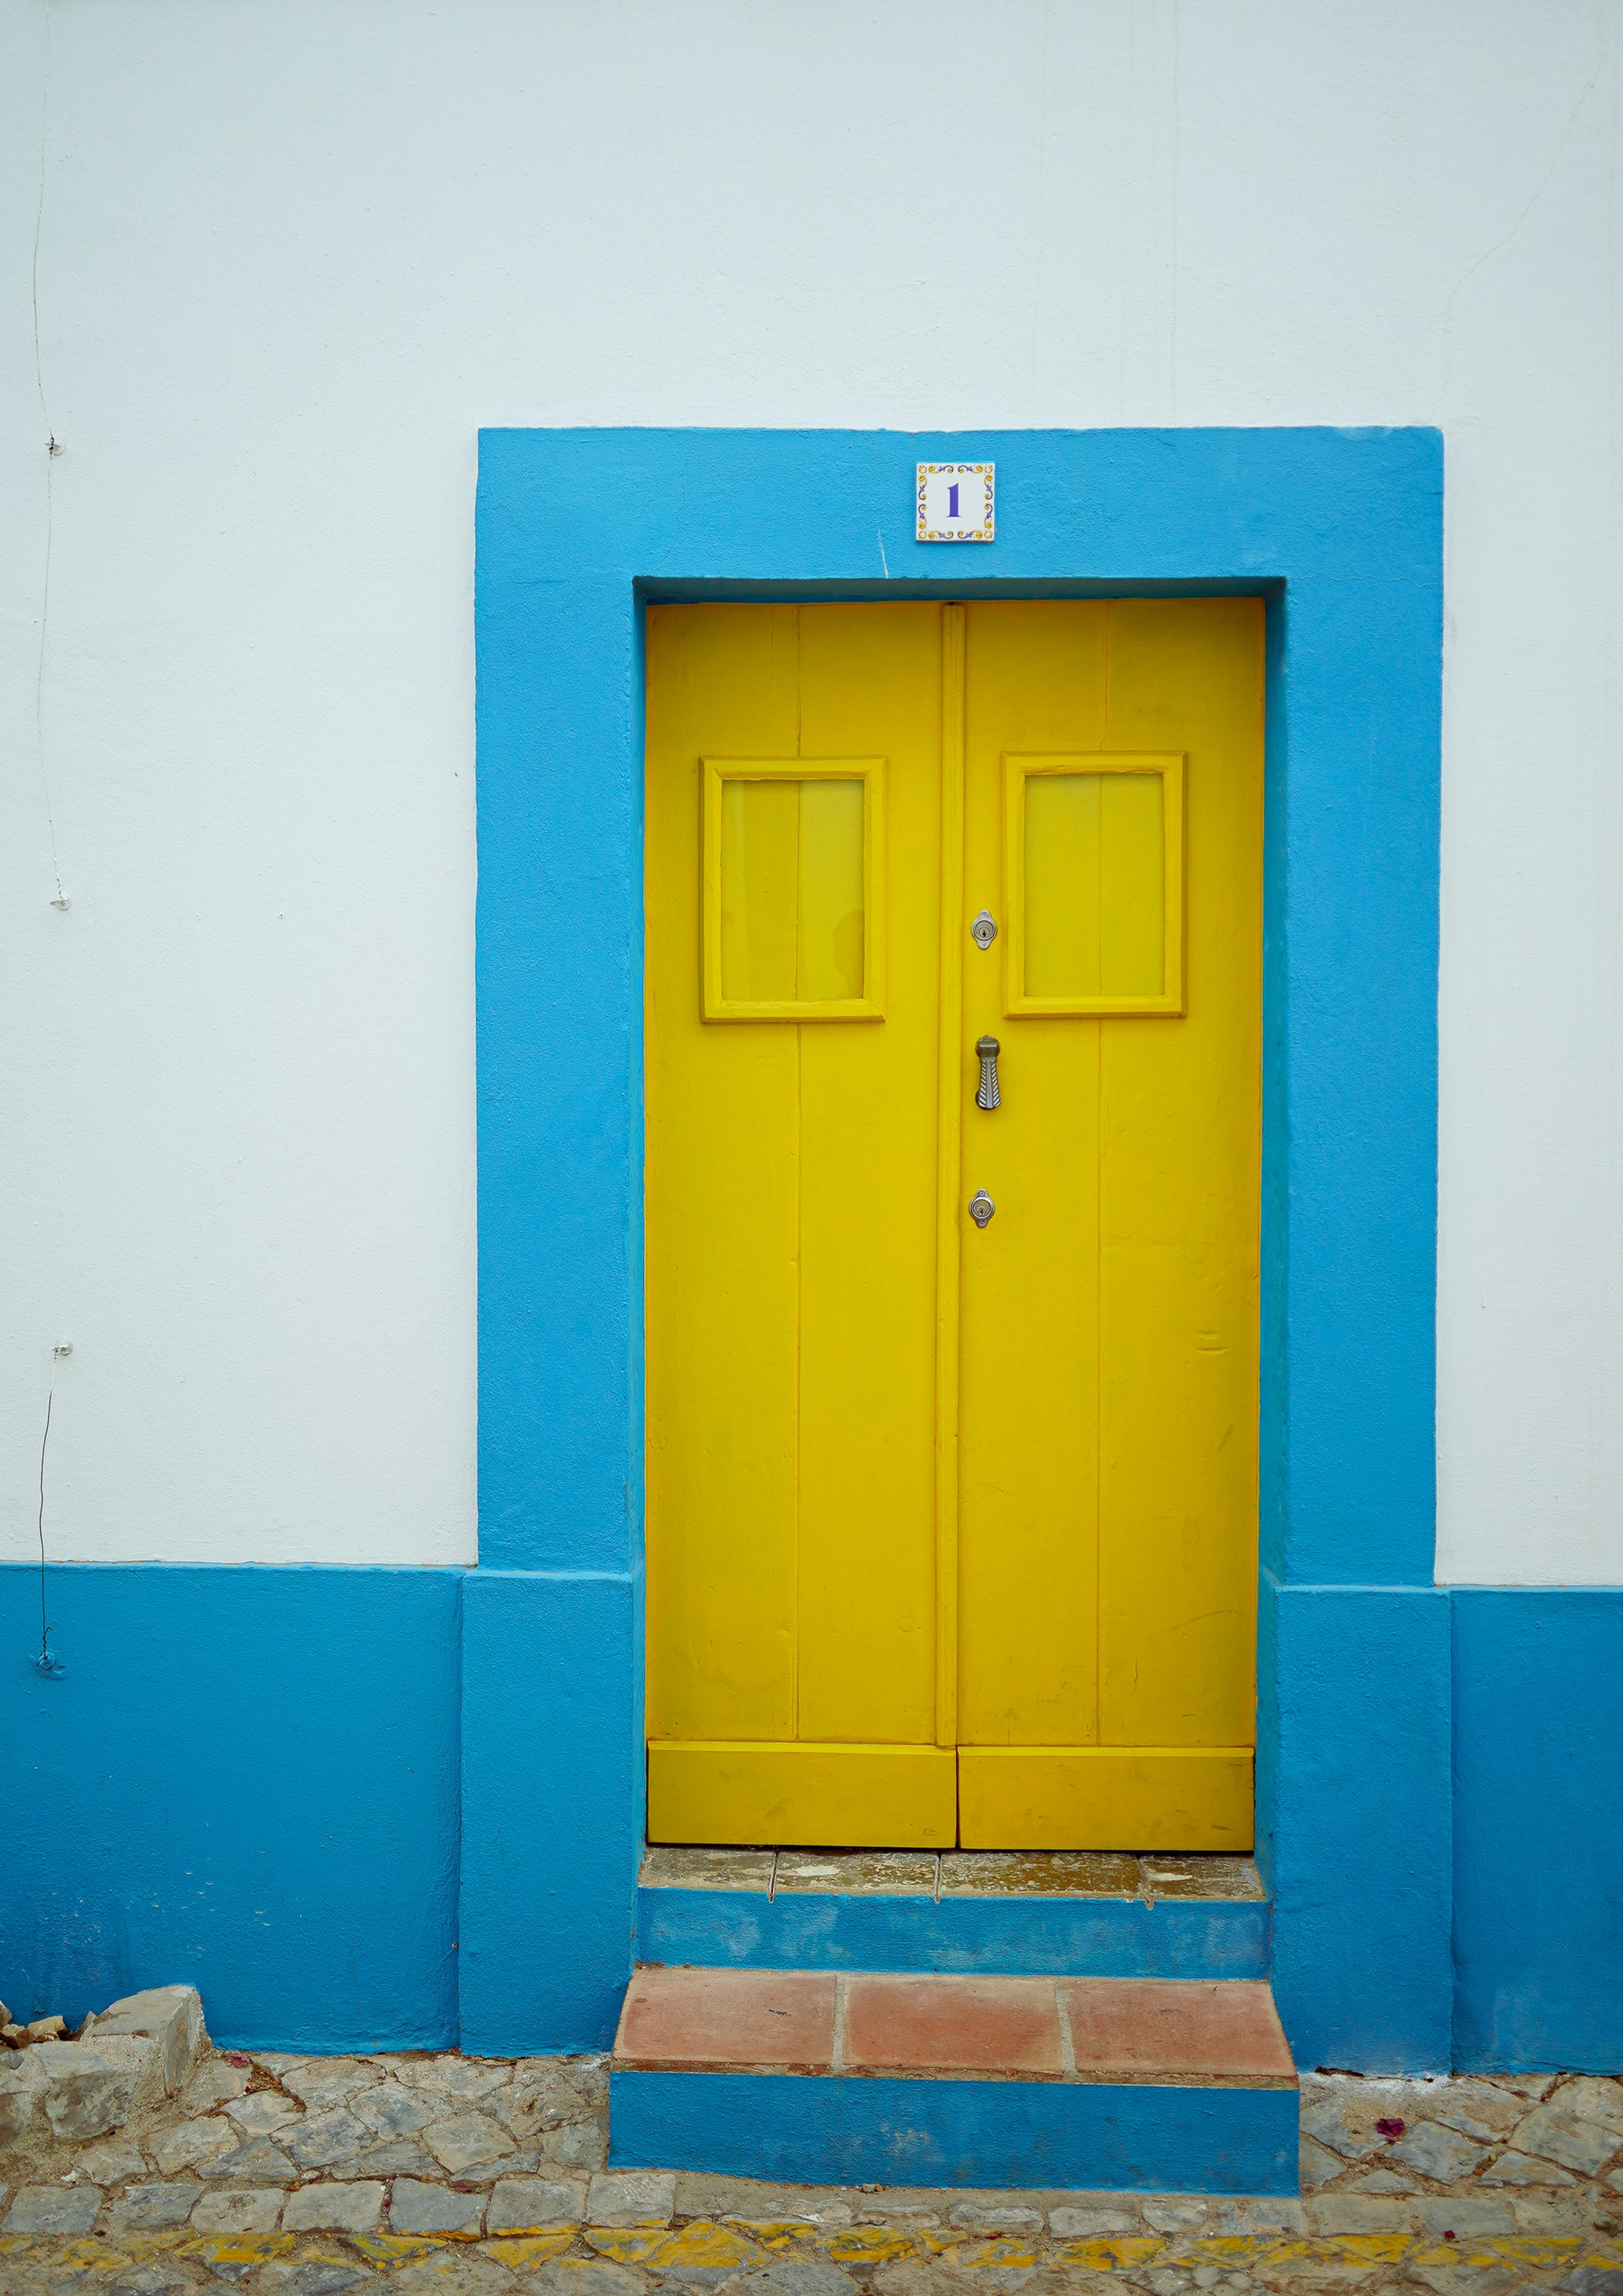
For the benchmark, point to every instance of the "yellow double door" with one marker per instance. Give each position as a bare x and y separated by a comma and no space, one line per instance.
952,1407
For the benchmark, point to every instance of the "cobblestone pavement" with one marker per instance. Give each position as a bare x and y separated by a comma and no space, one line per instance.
433,2176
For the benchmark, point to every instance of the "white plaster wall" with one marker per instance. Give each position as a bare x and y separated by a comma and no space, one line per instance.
292,253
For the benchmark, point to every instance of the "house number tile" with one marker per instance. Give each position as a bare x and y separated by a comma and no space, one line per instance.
955,502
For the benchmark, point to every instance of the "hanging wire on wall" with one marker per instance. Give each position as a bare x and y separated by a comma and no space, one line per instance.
45,1663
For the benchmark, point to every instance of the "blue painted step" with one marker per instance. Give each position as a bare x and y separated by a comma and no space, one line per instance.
813,2077
1191,1917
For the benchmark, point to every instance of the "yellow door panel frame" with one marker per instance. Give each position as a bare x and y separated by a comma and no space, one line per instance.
1093,929
805,1794
815,897
1188,1797
951,1527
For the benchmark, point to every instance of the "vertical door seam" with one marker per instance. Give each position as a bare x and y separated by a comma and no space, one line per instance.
948,1166
799,1030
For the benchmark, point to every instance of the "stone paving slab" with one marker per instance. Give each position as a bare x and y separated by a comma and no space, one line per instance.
443,2175
701,2253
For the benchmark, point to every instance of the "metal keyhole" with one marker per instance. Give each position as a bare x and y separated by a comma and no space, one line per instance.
981,1208
983,932
988,1096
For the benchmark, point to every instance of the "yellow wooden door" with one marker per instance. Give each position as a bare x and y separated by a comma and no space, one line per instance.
1108,1404
951,1529
792,967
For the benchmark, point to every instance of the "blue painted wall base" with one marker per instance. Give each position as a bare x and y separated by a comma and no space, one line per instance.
1539,1830
1353,1821
552,1824
1093,1937
244,1779
1065,2135
248,1779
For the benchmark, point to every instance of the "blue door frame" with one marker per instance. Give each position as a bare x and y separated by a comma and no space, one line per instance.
1342,531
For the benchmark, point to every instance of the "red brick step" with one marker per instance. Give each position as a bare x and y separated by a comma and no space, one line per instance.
1137,2083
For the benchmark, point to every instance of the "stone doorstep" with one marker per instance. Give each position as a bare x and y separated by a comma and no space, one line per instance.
1129,2030
997,1912
955,1874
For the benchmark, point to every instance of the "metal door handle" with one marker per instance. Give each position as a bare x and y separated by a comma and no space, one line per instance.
988,1096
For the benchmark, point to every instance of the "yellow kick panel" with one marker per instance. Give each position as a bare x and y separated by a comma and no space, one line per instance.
861,1797
913,1485
1084,1797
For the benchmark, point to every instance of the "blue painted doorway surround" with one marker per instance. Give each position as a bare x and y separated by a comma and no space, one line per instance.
1341,532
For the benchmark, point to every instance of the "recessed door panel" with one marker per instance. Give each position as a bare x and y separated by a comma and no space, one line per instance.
1179,1196
722,1208
1036,686
870,679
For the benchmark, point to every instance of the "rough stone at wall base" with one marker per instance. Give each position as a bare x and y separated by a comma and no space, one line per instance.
141,2051
22,2087
172,2015
91,2089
